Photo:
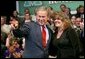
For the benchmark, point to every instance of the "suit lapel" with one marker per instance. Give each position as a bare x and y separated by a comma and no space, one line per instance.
38,39
38,33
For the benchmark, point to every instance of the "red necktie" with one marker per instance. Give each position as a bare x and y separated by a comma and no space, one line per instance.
43,37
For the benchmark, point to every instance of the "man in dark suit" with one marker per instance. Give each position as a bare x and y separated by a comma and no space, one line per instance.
37,35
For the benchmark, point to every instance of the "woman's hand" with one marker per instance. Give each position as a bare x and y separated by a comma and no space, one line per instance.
14,24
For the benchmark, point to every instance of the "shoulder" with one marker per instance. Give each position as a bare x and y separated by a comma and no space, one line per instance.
69,29
30,23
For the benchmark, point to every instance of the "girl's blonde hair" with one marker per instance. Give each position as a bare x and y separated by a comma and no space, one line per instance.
63,18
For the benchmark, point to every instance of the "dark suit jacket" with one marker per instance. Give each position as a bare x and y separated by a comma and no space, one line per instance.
33,40
67,46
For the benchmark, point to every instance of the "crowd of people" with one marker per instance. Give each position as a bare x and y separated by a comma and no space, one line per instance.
59,34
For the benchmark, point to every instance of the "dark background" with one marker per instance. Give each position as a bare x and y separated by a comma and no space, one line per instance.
7,8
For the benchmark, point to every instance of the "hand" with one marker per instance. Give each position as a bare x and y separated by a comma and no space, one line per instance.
14,24
10,36
17,55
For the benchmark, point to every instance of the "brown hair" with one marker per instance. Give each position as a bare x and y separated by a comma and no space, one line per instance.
63,18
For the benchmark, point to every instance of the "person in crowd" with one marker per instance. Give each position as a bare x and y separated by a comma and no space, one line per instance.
65,10
8,40
18,46
27,17
3,38
65,42
68,12
80,11
50,22
79,29
12,22
82,36
77,23
13,51
73,21
26,11
8,52
15,14
37,35
3,41
5,27
63,7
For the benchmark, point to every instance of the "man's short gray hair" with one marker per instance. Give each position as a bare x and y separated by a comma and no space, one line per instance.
42,8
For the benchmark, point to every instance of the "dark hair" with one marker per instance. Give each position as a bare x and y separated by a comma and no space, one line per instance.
50,7
63,5
27,12
80,6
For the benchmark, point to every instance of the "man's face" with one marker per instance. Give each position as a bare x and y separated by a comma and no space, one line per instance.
78,21
27,17
42,17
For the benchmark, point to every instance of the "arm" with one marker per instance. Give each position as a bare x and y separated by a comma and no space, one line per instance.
8,40
22,31
17,55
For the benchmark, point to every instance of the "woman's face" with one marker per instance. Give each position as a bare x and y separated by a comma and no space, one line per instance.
73,19
58,22
16,45
78,21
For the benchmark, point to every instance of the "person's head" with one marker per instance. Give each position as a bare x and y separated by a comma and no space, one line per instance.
15,13
14,22
42,15
73,19
61,21
13,19
26,11
63,7
3,20
80,9
15,43
67,10
27,16
78,21
50,11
